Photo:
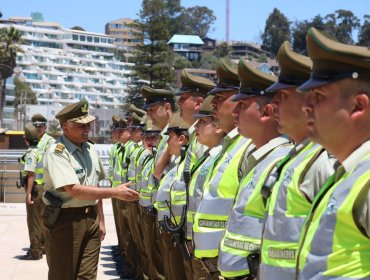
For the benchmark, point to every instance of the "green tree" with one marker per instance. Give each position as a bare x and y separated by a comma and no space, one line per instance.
222,50
181,62
23,94
277,30
153,58
347,22
208,61
197,20
10,39
299,32
364,34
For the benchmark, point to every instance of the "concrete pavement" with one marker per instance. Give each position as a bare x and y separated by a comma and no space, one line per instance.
14,241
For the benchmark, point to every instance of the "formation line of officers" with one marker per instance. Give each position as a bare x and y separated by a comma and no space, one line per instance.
255,177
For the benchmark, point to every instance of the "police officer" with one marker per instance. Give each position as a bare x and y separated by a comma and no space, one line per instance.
145,182
173,265
255,119
160,106
222,180
72,172
32,181
335,241
299,178
210,135
45,140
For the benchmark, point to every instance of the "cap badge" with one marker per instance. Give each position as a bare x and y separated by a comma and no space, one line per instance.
85,108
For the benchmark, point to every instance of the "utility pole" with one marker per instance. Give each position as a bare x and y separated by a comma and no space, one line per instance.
228,21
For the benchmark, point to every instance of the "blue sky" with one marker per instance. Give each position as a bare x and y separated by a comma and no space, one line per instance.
247,17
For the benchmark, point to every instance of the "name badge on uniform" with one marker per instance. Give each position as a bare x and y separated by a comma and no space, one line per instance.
80,173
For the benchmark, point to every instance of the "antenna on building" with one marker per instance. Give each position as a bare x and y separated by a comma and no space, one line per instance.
228,21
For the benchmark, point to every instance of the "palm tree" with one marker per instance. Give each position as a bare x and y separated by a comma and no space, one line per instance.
10,39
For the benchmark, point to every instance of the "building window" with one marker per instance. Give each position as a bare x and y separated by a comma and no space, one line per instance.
89,39
82,38
96,40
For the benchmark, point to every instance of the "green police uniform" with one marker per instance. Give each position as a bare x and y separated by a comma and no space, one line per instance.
148,218
244,228
334,243
301,177
220,186
74,239
152,97
31,161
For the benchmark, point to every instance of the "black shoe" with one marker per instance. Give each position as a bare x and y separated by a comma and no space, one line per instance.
28,257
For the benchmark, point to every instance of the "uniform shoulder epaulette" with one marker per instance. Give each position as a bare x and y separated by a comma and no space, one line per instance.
59,148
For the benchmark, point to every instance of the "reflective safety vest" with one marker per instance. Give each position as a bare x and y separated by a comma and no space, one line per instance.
178,194
218,198
140,161
121,163
131,170
112,160
45,142
198,177
287,212
39,178
145,185
178,189
332,245
163,198
244,229
162,146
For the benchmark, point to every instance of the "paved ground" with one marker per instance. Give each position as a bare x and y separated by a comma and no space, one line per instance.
14,241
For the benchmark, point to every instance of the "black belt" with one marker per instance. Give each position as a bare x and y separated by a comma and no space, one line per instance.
78,210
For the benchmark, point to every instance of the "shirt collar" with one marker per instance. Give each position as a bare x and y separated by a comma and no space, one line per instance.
164,130
353,159
215,150
298,147
269,146
71,147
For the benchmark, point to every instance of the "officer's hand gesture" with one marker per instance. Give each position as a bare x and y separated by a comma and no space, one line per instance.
125,193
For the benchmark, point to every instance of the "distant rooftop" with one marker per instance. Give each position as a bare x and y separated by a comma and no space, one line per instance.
186,39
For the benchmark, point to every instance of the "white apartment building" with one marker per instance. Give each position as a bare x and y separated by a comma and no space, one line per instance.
63,66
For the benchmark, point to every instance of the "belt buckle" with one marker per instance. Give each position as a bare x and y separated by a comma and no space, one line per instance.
87,210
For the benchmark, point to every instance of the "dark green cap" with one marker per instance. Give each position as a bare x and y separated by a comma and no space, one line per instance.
194,84
30,132
253,81
134,109
227,78
38,120
149,128
136,121
115,121
206,110
122,124
155,96
334,61
295,68
177,124
77,112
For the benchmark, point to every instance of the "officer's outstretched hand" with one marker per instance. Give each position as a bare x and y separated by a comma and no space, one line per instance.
123,192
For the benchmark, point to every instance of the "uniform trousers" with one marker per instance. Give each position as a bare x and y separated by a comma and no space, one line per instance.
173,260
151,244
74,245
35,225
194,268
133,256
